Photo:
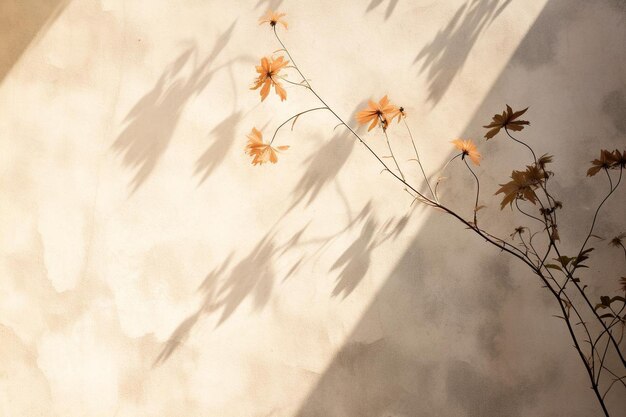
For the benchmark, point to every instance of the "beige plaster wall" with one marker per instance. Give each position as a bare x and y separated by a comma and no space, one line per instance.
148,269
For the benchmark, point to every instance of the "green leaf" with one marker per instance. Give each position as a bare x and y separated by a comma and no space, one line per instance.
553,266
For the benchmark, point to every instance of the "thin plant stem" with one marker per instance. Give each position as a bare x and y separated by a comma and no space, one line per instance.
477,190
291,82
293,117
527,214
441,173
522,143
392,155
495,242
595,216
569,274
419,161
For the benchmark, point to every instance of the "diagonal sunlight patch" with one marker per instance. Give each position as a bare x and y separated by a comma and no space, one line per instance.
337,393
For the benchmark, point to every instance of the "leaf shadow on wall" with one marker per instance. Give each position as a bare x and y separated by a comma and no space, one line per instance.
270,4
323,166
151,123
225,135
444,56
395,372
390,7
254,277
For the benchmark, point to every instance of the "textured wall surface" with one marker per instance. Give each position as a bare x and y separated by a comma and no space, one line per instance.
147,269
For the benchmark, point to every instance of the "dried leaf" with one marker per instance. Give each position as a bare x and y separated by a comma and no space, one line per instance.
507,120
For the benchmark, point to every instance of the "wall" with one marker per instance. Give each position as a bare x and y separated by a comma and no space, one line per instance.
149,269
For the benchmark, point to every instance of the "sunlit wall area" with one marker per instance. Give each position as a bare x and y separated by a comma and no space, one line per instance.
148,268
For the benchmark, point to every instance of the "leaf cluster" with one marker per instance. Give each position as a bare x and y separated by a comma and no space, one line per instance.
524,183
608,160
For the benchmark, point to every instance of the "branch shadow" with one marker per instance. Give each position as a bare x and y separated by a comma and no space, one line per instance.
390,7
324,165
150,124
445,55
226,288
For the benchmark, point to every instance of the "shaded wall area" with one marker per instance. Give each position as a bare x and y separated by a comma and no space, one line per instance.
20,23
459,329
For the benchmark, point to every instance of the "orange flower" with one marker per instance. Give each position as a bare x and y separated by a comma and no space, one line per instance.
259,151
399,112
268,76
468,148
380,112
273,18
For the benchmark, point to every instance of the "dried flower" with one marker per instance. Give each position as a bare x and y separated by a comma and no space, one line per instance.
273,18
260,151
617,241
619,159
400,113
607,160
544,160
268,76
506,120
468,148
522,186
380,112
518,231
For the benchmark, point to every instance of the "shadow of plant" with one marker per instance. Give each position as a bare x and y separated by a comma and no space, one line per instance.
225,288
355,260
225,136
446,54
270,4
390,7
150,124
324,165
322,168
